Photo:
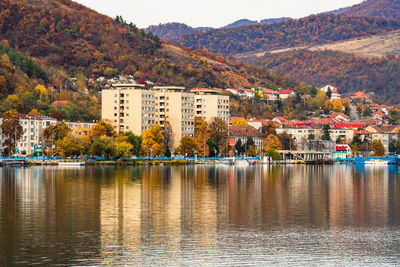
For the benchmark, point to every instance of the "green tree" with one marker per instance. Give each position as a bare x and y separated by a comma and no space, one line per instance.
136,142
11,129
325,132
103,146
124,147
273,153
239,147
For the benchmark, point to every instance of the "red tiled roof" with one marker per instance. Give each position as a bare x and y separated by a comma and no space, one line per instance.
350,125
362,132
60,103
241,131
285,92
280,118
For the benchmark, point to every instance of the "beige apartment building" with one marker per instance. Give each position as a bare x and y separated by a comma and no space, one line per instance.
175,106
209,104
132,107
129,107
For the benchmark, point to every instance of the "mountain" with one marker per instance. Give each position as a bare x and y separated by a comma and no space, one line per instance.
346,71
241,22
275,20
63,47
377,8
312,30
172,31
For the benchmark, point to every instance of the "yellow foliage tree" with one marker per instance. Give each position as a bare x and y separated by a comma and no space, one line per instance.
102,128
272,142
337,105
201,136
41,89
123,146
153,141
240,122
34,112
188,146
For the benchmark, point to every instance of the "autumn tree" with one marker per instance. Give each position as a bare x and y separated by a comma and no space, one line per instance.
355,150
72,145
201,136
272,142
377,148
102,128
187,146
153,141
219,133
240,123
11,129
34,112
55,132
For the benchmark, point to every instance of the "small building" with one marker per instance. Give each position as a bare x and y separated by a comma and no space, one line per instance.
237,133
285,94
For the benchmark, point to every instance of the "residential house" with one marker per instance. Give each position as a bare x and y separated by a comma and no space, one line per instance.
237,133
285,94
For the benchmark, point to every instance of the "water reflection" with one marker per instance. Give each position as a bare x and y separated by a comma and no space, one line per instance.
199,215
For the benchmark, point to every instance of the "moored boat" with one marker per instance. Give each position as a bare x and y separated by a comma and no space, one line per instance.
377,162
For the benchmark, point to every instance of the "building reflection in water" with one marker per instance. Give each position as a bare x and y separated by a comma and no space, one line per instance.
142,212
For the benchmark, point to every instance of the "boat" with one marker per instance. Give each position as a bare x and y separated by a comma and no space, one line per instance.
378,162
242,163
71,163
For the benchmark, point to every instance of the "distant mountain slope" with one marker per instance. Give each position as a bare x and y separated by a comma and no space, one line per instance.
378,45
241,22
81,42
377,8
346,71
172,31
313,30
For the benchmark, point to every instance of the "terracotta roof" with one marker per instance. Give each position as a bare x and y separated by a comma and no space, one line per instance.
350,125
285,92
362,132
60,103
241,131
280,118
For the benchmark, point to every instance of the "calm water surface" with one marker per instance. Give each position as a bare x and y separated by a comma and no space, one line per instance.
200,215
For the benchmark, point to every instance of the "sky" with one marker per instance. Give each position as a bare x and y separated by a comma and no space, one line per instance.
210,13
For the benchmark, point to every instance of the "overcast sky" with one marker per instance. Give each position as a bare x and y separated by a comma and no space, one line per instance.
210,13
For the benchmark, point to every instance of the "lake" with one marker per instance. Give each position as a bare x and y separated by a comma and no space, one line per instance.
200,215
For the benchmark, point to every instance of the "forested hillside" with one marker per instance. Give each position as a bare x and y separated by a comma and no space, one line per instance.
312,30
377,8
65,44
346,71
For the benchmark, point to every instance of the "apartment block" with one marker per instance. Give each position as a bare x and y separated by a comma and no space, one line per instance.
175,106
132,107
209,104
129,107
33,127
